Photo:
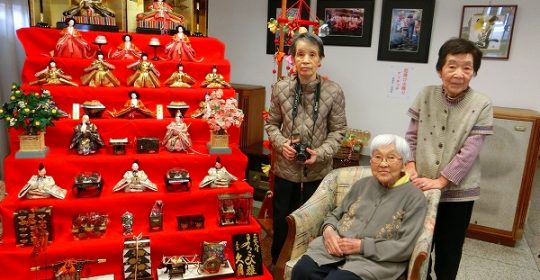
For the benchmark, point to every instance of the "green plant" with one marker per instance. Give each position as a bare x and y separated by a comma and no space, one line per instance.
31,111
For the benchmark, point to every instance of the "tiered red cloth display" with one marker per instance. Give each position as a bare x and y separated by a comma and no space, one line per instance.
64,164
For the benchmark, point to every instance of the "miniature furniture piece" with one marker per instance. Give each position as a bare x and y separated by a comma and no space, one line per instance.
508,162
304,223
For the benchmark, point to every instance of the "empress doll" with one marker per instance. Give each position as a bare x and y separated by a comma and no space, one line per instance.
71,42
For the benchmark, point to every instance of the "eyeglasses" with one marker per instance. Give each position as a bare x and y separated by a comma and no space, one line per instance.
377,159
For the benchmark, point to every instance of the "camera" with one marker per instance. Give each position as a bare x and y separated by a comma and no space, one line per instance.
301,152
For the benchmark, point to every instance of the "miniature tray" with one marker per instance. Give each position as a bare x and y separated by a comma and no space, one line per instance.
193,273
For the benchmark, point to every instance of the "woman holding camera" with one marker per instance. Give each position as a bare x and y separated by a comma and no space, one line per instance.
306,123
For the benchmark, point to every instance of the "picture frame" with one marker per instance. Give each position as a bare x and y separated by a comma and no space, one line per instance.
274,11
490,27
349,22
406,30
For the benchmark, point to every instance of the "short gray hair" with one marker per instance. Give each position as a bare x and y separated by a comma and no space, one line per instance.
402,147
308,37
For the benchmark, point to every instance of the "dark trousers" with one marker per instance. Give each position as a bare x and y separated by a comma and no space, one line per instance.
307,269
288,196
451,226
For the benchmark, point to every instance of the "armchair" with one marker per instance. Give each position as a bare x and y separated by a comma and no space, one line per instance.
304,223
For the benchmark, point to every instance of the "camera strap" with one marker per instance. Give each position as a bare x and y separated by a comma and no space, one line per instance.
296,103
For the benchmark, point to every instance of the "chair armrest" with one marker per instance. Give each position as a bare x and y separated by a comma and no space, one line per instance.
418,266
304,223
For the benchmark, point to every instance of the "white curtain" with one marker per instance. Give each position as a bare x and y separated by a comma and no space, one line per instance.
13,15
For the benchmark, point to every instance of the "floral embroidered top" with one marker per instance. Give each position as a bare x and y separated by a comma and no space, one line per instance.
387,220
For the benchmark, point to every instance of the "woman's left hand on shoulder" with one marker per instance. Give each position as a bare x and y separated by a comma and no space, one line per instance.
427,184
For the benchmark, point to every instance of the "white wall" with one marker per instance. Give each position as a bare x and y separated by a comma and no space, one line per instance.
241,25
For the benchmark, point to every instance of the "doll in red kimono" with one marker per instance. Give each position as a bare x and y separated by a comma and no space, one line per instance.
71,42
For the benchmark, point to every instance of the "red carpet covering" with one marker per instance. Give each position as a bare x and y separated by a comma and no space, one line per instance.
64,164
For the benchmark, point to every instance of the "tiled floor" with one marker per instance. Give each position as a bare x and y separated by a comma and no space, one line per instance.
483,260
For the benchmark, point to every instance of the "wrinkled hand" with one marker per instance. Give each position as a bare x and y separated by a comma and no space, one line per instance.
349,246
313,156
427,184
331,241
288,151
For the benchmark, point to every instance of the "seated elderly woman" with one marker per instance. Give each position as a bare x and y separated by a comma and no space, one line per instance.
371,235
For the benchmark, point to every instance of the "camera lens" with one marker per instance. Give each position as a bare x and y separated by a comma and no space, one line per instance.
301,153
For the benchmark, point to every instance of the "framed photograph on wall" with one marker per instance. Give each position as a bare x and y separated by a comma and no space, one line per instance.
274,11
406,30
490,28
349,22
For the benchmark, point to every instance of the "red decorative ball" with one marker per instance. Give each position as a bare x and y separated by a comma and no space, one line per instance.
274,71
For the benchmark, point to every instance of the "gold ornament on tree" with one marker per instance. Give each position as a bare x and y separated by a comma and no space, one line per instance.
33,112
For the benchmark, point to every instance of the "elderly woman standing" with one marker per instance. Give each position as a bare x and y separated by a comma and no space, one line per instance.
306,123
371,235
449,124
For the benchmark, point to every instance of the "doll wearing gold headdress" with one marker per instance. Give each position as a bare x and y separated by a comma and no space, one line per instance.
215,80
180,79
52,76
99,73
146,75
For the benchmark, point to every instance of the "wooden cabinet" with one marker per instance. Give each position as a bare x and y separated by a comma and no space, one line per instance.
257,156
251,99
508,162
